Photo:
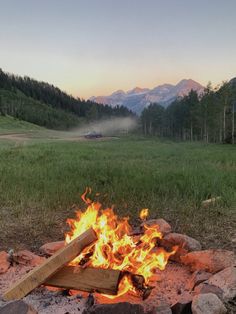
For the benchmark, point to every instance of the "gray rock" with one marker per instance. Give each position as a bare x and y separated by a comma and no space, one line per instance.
17,307
207,303
223,284
183,305
205,287
225,280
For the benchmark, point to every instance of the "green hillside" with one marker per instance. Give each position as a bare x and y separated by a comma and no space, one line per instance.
16,104
9,124
46,105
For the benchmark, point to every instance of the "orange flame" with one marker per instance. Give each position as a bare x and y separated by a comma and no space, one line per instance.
115,248
143,214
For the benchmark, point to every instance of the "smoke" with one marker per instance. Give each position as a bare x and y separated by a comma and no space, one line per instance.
108,127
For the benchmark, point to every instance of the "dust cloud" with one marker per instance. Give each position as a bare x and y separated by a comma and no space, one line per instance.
108,127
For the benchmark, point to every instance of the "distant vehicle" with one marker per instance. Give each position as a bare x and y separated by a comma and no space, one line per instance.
93,134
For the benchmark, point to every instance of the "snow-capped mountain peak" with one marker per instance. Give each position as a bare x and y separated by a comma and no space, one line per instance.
138,98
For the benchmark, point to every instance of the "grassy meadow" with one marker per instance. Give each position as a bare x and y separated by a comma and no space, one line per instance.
41,182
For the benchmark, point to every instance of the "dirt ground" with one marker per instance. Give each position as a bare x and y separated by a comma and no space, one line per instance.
22,137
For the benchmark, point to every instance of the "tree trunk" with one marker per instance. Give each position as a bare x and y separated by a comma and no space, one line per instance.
220,130
191,131
150,128
205,130
224,129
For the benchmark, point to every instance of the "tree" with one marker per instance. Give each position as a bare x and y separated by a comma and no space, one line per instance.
2,112
209,117
152,119
224,94
192,104
92,113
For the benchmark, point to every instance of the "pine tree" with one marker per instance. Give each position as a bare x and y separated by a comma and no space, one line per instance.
2,113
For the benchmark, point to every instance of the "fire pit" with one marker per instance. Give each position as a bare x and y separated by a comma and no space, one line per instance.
147,265
137,256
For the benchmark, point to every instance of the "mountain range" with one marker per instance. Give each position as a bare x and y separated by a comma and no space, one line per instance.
139,98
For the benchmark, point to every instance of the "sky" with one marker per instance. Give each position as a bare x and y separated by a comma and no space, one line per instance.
94,47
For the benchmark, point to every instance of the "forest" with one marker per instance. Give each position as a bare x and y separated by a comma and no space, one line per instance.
208,117
46,105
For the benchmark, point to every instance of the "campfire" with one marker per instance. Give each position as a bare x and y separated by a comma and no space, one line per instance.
105,256
137,257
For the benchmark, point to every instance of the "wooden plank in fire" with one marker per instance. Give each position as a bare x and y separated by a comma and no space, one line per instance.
41,273
86,279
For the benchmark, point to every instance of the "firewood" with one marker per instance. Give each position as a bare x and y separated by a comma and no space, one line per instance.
41,273
88,279
210,201
138,281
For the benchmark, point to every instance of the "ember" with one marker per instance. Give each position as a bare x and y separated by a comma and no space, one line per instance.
116,248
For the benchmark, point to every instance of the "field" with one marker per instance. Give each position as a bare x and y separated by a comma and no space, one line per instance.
42,178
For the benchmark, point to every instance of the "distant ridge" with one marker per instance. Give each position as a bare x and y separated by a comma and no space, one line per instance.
139,98
46,105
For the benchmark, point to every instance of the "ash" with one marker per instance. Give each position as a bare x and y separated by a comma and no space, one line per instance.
168,285
46,302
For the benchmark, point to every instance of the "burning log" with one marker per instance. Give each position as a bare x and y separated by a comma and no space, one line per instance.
41,273
138,282
89,279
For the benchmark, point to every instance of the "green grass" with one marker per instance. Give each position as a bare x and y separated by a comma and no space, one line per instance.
40,184
9,124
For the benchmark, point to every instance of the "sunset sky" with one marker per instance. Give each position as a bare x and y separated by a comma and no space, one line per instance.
94,47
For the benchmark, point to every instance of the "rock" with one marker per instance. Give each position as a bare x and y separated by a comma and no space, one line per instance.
185,243
183,305
226,281
116,308
17,307
28,258
4,263
207,288
209,260
197,277
161,224
207,303
51,247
